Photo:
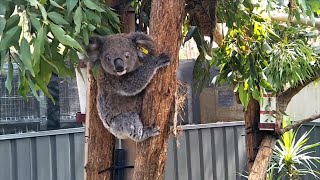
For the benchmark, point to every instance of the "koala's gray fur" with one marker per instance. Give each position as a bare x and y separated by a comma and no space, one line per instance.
124,73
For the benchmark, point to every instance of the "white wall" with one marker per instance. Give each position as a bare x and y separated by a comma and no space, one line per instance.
305,103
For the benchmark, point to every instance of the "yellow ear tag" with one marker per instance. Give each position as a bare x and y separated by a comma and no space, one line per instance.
144,50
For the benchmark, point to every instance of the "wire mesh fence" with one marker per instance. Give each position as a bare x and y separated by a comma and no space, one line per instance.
18,115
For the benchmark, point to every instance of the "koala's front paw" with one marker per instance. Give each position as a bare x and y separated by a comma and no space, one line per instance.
152,131
163,60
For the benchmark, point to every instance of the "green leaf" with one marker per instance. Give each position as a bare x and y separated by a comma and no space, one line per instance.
8,82
78,20
23,86
43,1
33,89
243,96
33,2
71,4
2,24
45,71
256,94
91,5
4,57
92,27
57,18
35,22
43,11
85,35
64,39
43,87
265,84
12,22
25,56
3,7
38,47
51,64
55,4
92,16
10,38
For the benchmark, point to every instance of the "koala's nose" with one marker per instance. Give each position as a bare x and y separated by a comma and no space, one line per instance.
119,65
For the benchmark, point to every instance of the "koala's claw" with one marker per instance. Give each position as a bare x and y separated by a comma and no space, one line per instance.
153,131
164,59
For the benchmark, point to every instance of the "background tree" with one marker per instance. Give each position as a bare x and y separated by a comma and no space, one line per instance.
258,56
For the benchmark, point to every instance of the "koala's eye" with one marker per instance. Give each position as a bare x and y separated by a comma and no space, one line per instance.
107,57
127,54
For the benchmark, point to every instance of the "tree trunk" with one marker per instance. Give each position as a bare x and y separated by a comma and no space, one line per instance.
99,143
261,164
253,136
159,100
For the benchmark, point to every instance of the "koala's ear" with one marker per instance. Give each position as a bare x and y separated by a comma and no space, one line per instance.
95,43
93,49
144,43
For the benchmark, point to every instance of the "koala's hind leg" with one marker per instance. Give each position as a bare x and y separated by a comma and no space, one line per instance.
130,125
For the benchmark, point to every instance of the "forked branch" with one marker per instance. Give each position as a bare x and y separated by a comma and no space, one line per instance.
298,123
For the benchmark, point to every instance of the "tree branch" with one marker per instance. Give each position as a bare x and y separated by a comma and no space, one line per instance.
285,97
298,123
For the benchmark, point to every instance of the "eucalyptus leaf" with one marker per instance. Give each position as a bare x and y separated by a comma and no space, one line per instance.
56,31
12,22
35,22
43,11
3,7
33,2
43,86
2,24
33,89
10,38
78,19
57,18
25,56
39,47
23,86
91,5
9,79
60,34
85,36
92,16
71,4
55,4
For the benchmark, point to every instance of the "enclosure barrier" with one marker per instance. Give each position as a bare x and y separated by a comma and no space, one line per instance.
204,152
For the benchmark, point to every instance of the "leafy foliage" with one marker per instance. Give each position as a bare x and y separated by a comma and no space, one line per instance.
43,37
259,55
292,157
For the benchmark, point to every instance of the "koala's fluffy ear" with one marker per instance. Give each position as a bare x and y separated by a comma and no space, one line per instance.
93,49
144,43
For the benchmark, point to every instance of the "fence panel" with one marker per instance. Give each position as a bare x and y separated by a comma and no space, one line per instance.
48,155
201,152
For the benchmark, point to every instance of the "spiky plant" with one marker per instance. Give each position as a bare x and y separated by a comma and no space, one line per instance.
292,157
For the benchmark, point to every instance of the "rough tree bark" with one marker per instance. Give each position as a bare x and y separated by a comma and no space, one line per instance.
99,143
159,99
253,136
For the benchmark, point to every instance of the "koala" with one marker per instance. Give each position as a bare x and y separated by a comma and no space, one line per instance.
127,65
